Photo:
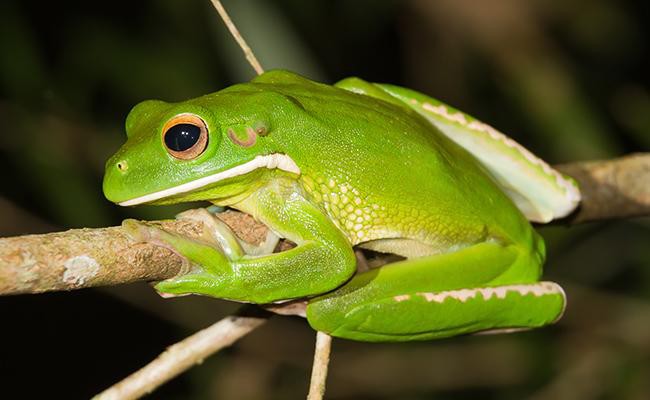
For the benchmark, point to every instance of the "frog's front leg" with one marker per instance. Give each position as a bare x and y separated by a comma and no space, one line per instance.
322,260
468,291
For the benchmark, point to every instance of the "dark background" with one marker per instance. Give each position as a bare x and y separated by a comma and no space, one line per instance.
568,79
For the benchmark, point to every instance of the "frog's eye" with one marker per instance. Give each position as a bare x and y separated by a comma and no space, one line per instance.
185,136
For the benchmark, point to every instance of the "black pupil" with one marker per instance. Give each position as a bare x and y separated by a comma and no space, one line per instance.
182,136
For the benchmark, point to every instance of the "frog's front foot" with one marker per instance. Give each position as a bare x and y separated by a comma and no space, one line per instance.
208,258
146,232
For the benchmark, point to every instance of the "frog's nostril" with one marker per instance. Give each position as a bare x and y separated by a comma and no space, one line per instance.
122,166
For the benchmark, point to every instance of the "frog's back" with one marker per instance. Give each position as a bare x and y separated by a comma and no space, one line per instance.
382,172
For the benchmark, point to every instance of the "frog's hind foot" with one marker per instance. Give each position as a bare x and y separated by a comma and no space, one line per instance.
434,315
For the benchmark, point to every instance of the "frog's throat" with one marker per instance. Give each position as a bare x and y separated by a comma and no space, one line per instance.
270,161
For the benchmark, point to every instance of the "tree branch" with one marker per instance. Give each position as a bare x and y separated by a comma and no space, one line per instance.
618,188
80,258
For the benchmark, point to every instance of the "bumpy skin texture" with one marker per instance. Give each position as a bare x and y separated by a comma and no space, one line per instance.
371,172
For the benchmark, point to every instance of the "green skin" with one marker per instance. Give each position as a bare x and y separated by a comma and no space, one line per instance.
371,168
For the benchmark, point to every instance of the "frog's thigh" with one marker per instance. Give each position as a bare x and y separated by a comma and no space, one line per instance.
436,297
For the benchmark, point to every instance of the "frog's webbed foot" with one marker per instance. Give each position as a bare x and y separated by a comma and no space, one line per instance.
208,258
439,296
146,232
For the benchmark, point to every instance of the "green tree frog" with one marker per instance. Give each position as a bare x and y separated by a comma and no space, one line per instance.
331,167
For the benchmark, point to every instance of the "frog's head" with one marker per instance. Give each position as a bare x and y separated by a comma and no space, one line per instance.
217,147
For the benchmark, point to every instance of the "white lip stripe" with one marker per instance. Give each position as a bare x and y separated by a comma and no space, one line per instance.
271,161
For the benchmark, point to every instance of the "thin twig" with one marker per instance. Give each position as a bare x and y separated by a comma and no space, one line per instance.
250,56
319,369
185,354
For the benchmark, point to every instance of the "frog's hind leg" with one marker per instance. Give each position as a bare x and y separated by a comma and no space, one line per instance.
469,291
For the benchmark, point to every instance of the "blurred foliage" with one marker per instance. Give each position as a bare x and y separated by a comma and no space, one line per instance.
567,79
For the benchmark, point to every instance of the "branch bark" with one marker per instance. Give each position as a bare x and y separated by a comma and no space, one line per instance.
618,188
80,258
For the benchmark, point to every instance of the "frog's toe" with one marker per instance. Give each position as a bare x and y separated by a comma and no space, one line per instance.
212,225
215,232
144,232
136,230
194,283
195,214
204,217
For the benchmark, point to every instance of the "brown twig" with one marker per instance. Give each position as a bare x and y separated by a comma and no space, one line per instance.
248,53
186,353
319,368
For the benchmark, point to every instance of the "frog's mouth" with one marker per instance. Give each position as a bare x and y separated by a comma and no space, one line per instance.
270,161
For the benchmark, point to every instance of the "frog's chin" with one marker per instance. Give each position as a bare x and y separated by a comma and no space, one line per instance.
271,161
